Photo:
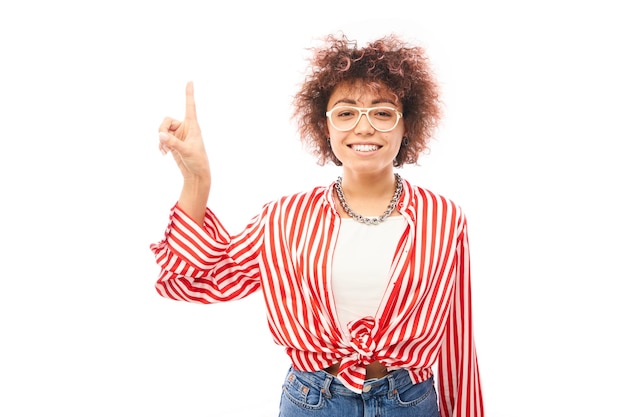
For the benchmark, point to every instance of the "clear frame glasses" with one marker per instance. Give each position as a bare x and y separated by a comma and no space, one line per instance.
383,119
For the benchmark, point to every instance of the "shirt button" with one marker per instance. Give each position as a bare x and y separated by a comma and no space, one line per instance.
367,388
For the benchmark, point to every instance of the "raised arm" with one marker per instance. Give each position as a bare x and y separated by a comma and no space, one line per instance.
184,140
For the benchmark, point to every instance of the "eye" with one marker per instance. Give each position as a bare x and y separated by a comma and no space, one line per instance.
382,113
344,112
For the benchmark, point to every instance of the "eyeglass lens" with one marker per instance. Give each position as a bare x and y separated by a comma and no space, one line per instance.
381,118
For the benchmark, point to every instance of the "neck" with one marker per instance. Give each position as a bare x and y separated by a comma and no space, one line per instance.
365,202
368,186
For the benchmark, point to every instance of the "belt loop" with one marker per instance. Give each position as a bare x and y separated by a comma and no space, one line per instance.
326,387
392,385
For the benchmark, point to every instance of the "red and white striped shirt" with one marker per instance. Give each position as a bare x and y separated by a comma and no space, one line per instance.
425,319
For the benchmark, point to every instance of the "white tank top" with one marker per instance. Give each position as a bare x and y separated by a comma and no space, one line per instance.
361,266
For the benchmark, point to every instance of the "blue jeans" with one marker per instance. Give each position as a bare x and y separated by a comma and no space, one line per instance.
320,394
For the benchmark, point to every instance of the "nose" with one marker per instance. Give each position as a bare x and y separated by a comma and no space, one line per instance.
363,125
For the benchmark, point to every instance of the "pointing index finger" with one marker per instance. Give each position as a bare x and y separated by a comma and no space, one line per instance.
190,103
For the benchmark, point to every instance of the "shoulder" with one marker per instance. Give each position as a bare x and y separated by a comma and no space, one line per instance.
423,199
422,194
314,197
313,193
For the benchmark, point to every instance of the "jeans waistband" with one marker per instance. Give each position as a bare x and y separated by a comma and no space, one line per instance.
372,387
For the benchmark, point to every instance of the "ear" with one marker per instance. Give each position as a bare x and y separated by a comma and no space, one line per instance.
326,130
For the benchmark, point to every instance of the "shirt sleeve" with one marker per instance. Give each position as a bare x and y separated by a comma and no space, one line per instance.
205,264
459,380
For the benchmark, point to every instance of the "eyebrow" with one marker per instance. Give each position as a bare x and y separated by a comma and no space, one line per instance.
353,102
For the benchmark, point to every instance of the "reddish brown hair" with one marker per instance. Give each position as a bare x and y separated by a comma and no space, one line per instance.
389,63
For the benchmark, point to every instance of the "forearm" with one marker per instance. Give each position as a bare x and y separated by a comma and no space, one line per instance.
194,197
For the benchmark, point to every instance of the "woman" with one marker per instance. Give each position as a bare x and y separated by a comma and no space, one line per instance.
366,280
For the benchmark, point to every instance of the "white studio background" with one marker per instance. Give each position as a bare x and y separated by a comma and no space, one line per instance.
530,147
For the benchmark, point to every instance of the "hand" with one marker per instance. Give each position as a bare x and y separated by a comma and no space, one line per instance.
184,141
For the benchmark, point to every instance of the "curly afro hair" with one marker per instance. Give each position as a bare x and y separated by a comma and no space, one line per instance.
386,63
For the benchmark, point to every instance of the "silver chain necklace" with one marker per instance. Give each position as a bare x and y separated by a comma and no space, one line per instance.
370,220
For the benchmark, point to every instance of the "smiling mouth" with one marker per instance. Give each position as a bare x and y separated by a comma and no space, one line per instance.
365,148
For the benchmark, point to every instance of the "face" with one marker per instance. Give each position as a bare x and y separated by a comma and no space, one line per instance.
364,149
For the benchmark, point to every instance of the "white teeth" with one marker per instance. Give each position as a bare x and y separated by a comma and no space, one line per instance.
365,148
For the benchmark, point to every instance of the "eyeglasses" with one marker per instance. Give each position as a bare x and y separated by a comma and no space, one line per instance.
383,119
